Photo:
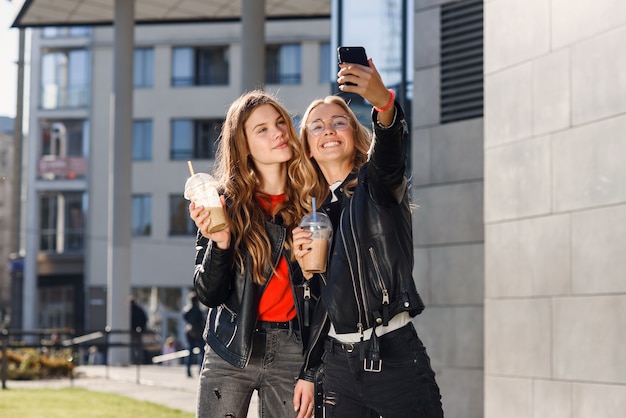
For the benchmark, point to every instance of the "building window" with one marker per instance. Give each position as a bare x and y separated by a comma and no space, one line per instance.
194,139
325,63
200,66
283,64
62,222
64,149
142,140
461,60
65,79
180,221
143,69
141,221
56,305
66,31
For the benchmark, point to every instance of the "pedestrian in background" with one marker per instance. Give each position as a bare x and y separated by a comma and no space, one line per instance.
194,318
138,322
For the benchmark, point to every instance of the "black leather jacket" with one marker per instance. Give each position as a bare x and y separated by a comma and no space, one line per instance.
233,298
369,276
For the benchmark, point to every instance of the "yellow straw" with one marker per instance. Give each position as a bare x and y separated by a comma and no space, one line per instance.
190,167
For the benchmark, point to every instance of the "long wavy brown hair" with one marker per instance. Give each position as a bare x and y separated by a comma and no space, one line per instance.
239,178
362,140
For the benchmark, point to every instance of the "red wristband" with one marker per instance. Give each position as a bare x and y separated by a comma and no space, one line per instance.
392,96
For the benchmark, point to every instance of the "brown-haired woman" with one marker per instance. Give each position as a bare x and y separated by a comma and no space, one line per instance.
257,296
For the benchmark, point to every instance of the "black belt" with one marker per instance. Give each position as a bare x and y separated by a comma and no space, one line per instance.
365,350
265,325
333,345
371,359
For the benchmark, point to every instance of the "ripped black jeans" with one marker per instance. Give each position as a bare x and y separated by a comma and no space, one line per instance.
405,387
225,391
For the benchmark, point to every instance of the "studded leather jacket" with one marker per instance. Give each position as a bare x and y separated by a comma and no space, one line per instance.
369,276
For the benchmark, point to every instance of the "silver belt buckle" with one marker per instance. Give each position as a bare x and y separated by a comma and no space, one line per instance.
374,366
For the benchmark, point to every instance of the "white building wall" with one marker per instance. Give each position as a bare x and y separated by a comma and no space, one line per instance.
555,209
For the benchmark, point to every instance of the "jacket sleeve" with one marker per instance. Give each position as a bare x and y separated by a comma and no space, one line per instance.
213,272
385,171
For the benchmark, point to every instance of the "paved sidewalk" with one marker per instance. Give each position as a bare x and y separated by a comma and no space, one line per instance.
165,385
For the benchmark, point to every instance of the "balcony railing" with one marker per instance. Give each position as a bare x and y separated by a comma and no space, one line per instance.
52,167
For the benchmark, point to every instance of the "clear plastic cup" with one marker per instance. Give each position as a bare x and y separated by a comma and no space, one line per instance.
201,188
318,223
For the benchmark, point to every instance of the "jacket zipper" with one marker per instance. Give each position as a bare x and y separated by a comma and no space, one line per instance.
384,315
379,276
363,307
233,314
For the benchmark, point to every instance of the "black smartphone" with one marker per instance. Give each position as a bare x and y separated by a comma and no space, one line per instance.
352,55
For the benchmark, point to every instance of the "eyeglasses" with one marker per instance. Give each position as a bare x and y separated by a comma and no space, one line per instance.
338,123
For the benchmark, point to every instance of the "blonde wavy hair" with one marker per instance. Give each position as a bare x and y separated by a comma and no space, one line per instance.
362,141
239,178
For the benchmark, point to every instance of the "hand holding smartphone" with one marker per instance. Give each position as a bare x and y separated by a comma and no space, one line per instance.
352,55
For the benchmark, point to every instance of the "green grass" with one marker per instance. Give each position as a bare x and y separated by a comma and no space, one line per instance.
78,402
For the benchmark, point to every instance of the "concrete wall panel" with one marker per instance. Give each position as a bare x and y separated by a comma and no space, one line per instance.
451,336
466,397
515,31
519,180
508,397
427,48
598,80
551,92
588,165
528,257
598,401
457,151
589,340
552,399
426,103
574,21
448,214
457,276
509,116
517,337
598,249
421,157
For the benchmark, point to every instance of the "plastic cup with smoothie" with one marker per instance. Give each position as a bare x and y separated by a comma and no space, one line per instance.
201,188
318,223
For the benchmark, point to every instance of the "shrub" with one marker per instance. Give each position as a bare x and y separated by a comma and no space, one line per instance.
32,364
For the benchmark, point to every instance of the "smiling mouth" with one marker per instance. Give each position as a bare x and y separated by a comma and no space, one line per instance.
331,144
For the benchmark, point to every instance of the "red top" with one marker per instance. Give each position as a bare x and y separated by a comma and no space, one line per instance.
276,304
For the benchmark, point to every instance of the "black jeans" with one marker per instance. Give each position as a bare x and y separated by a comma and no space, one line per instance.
405,387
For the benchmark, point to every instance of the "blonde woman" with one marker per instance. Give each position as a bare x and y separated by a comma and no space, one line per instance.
373,362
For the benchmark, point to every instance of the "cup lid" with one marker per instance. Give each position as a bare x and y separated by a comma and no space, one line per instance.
317,220
197,179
